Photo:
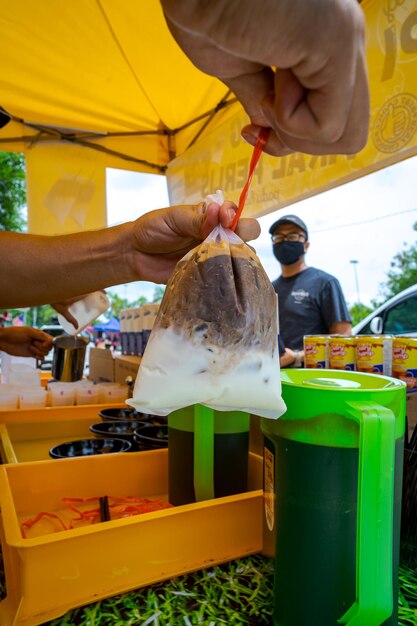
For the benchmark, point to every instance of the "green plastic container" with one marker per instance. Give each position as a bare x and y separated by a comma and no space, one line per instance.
208,454
332,507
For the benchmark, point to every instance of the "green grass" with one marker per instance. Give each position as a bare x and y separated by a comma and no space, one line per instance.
234,594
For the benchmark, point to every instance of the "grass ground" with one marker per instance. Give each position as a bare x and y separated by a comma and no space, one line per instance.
234,594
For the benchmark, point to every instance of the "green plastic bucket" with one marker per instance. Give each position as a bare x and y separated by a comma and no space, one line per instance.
332,505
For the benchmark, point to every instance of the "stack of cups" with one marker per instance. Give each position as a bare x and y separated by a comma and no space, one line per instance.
23,375
9,397
137,331
32,397
124,337
112,393
129,331
149,313
86,392
61,394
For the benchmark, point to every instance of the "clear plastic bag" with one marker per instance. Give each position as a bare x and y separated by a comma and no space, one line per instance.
215,338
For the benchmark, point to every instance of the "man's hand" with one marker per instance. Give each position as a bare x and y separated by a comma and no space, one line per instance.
287,359
163,237
63,309
25,341
297,66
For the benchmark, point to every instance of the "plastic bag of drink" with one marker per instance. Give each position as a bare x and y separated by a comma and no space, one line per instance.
214,341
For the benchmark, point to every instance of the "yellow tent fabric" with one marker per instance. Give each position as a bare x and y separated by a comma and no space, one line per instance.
105,72
107,76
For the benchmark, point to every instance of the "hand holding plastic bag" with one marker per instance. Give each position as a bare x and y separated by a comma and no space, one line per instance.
214,341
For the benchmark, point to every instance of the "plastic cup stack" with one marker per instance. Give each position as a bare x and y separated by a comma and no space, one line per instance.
112,393
61,394
32,398
9,398
86,393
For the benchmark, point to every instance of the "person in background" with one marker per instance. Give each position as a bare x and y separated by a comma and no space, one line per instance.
296,66
5,318
310,301
25,341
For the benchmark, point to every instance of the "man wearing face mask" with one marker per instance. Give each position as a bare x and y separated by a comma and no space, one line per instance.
311,301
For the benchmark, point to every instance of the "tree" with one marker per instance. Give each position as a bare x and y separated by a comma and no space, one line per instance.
40,315
12,191
358,311
403,272
117,304
158,294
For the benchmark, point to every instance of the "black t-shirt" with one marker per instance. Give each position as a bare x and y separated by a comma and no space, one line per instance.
309,304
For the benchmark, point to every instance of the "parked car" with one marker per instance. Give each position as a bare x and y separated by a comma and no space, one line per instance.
397,316
55,330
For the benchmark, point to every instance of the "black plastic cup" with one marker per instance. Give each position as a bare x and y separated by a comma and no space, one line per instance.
123,414
119,429
88,447
152,437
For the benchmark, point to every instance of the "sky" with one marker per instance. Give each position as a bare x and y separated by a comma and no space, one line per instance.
367,220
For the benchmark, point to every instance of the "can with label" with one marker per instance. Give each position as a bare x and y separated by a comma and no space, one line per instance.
374,354
316,351
404,361
342,352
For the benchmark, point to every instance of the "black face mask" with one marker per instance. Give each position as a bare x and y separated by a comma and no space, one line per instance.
288,252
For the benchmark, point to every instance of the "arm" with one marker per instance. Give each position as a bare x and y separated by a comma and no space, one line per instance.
37,270
317,100
341,328
287,359
25,341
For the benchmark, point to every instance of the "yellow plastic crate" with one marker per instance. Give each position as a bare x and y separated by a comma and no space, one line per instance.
53,413
50,574
28,435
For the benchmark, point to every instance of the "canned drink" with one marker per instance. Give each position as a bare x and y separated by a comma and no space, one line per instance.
342,352
404,361
316,351
374,354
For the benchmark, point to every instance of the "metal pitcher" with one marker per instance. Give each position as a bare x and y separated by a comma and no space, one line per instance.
69,357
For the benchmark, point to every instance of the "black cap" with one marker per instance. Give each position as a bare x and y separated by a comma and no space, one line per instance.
289,219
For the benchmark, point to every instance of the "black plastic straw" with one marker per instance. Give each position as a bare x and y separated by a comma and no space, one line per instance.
104,509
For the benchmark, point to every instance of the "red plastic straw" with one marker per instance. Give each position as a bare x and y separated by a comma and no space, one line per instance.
121,507
257,151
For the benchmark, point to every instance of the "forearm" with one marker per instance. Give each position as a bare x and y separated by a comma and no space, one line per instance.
3,339
341,328
38,270
236,27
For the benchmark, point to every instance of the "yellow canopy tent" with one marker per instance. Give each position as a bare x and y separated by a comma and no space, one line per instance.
101,83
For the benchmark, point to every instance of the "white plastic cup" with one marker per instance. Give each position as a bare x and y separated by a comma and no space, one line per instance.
86,394
9,398
12,367
61,394
32,398
23,375
85,311
112,393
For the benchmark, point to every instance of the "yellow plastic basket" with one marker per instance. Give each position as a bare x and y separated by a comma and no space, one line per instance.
50,574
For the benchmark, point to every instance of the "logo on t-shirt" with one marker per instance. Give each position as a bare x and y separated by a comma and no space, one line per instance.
299,295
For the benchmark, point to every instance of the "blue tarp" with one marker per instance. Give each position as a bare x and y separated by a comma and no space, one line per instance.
112,326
